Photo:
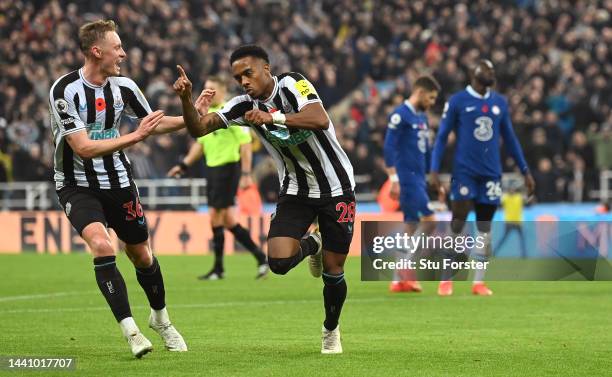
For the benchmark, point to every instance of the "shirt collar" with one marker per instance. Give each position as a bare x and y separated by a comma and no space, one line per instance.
409,105
474,93
88,83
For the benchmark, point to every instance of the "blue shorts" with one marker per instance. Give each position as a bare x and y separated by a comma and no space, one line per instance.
484,190
414,203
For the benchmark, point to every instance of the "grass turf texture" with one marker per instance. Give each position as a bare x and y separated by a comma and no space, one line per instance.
50,306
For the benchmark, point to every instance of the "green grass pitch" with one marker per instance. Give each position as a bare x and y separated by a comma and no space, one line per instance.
50,306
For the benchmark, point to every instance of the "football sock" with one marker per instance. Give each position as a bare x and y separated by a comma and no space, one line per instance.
243,236
452,255
218,244
152,282
112,286
128,326
482,255
334,294
160,316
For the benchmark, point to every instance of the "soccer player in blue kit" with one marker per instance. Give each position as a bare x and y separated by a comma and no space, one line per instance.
407,154
478,116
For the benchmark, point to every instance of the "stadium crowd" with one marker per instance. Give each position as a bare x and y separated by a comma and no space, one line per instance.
553,62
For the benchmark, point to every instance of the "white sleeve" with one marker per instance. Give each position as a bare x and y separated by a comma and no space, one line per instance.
233,111
64,112
299,91
136,105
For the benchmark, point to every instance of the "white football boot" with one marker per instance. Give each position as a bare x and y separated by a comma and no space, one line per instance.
160,323
330,341
139,344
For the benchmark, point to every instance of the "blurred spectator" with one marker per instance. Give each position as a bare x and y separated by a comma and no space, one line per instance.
602,144
553,61
547,182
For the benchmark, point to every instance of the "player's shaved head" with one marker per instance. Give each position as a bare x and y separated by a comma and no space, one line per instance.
484,73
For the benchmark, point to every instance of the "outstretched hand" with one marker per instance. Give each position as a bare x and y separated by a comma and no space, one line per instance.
182,85
204,101
148,124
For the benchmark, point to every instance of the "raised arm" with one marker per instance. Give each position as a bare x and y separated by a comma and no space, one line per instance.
197,125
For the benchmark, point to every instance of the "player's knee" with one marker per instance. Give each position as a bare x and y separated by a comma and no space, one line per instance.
280,266
143,260
101,246
140,255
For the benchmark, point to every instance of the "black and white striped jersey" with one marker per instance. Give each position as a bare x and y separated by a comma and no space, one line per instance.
310,163
75,105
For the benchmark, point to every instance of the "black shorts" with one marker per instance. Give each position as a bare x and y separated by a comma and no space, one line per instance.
222,185
336,218
119,209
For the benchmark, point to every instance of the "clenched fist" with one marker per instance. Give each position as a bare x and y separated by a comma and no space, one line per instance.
258,117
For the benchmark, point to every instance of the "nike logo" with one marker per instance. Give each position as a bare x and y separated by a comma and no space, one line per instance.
470,109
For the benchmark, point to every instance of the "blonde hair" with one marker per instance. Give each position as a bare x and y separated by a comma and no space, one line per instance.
92,32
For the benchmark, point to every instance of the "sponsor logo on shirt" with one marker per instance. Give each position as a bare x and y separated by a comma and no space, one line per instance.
293,139
96,131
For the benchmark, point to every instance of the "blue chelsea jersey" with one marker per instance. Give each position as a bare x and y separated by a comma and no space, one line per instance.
478,122
407,145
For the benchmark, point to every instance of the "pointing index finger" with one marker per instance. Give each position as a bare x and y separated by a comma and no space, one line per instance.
181,71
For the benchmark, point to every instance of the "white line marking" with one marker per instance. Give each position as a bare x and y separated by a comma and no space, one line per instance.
43,296
195,306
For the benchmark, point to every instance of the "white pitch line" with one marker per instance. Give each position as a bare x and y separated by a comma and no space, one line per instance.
44,296
195,306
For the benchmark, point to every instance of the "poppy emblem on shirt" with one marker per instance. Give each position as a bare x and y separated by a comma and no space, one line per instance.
100,104
485,109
